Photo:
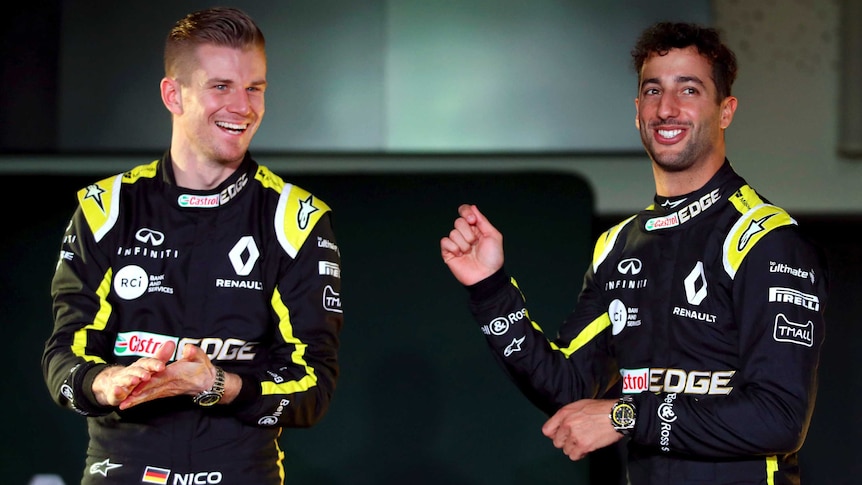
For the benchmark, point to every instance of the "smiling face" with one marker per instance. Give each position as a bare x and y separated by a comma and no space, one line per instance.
680,120
218,104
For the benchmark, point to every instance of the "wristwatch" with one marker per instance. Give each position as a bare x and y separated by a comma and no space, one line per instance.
624,415
212,396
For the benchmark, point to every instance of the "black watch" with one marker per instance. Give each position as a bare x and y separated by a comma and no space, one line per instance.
212,396
624,415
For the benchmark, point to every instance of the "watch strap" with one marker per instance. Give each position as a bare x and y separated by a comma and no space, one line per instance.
214,394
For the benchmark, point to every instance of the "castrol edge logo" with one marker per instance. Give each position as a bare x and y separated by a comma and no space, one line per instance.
685,214
142,344
679,381
214,200
635,380
145,344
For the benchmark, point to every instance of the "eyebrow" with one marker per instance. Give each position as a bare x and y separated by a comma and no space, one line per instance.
259,82
677,80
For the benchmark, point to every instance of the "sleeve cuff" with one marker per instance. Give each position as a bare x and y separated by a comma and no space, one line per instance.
249,393
84,388
488,287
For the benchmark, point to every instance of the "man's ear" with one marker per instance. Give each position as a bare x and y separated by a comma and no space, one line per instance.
728,108
172,95
637,115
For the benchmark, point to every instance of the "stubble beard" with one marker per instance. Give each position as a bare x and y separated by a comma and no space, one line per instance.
676,161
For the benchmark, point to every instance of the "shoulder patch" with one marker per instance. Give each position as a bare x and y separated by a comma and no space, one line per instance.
745,199
147,171
297,213
606,242
748,230
100,201
269,179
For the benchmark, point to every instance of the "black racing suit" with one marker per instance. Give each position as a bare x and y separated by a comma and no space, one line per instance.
249,271
708,310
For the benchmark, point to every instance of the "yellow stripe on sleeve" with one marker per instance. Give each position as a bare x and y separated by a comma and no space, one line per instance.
307,381
771,468
590,332
79,340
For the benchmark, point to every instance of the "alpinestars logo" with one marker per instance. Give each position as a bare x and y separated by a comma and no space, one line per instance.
95,192
103,467
753,228
673,204
306,208
515,346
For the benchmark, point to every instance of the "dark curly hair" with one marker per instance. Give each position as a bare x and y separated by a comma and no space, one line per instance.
664,36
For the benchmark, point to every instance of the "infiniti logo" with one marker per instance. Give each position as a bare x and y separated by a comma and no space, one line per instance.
154,237
630,266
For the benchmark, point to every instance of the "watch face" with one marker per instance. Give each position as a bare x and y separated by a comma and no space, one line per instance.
623,415
207,399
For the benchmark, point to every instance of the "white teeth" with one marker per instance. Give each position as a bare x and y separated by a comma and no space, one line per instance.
669,133
231,126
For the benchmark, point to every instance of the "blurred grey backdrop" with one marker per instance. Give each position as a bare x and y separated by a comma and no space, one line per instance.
476,84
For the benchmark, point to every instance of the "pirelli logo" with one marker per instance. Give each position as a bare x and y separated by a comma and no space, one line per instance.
794,297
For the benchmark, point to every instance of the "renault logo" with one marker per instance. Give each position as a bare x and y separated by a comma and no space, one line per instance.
243,255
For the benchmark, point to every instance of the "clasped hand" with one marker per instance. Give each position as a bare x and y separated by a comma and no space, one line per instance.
151,378
582,427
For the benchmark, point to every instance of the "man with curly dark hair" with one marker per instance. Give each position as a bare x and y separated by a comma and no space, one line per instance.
698,330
